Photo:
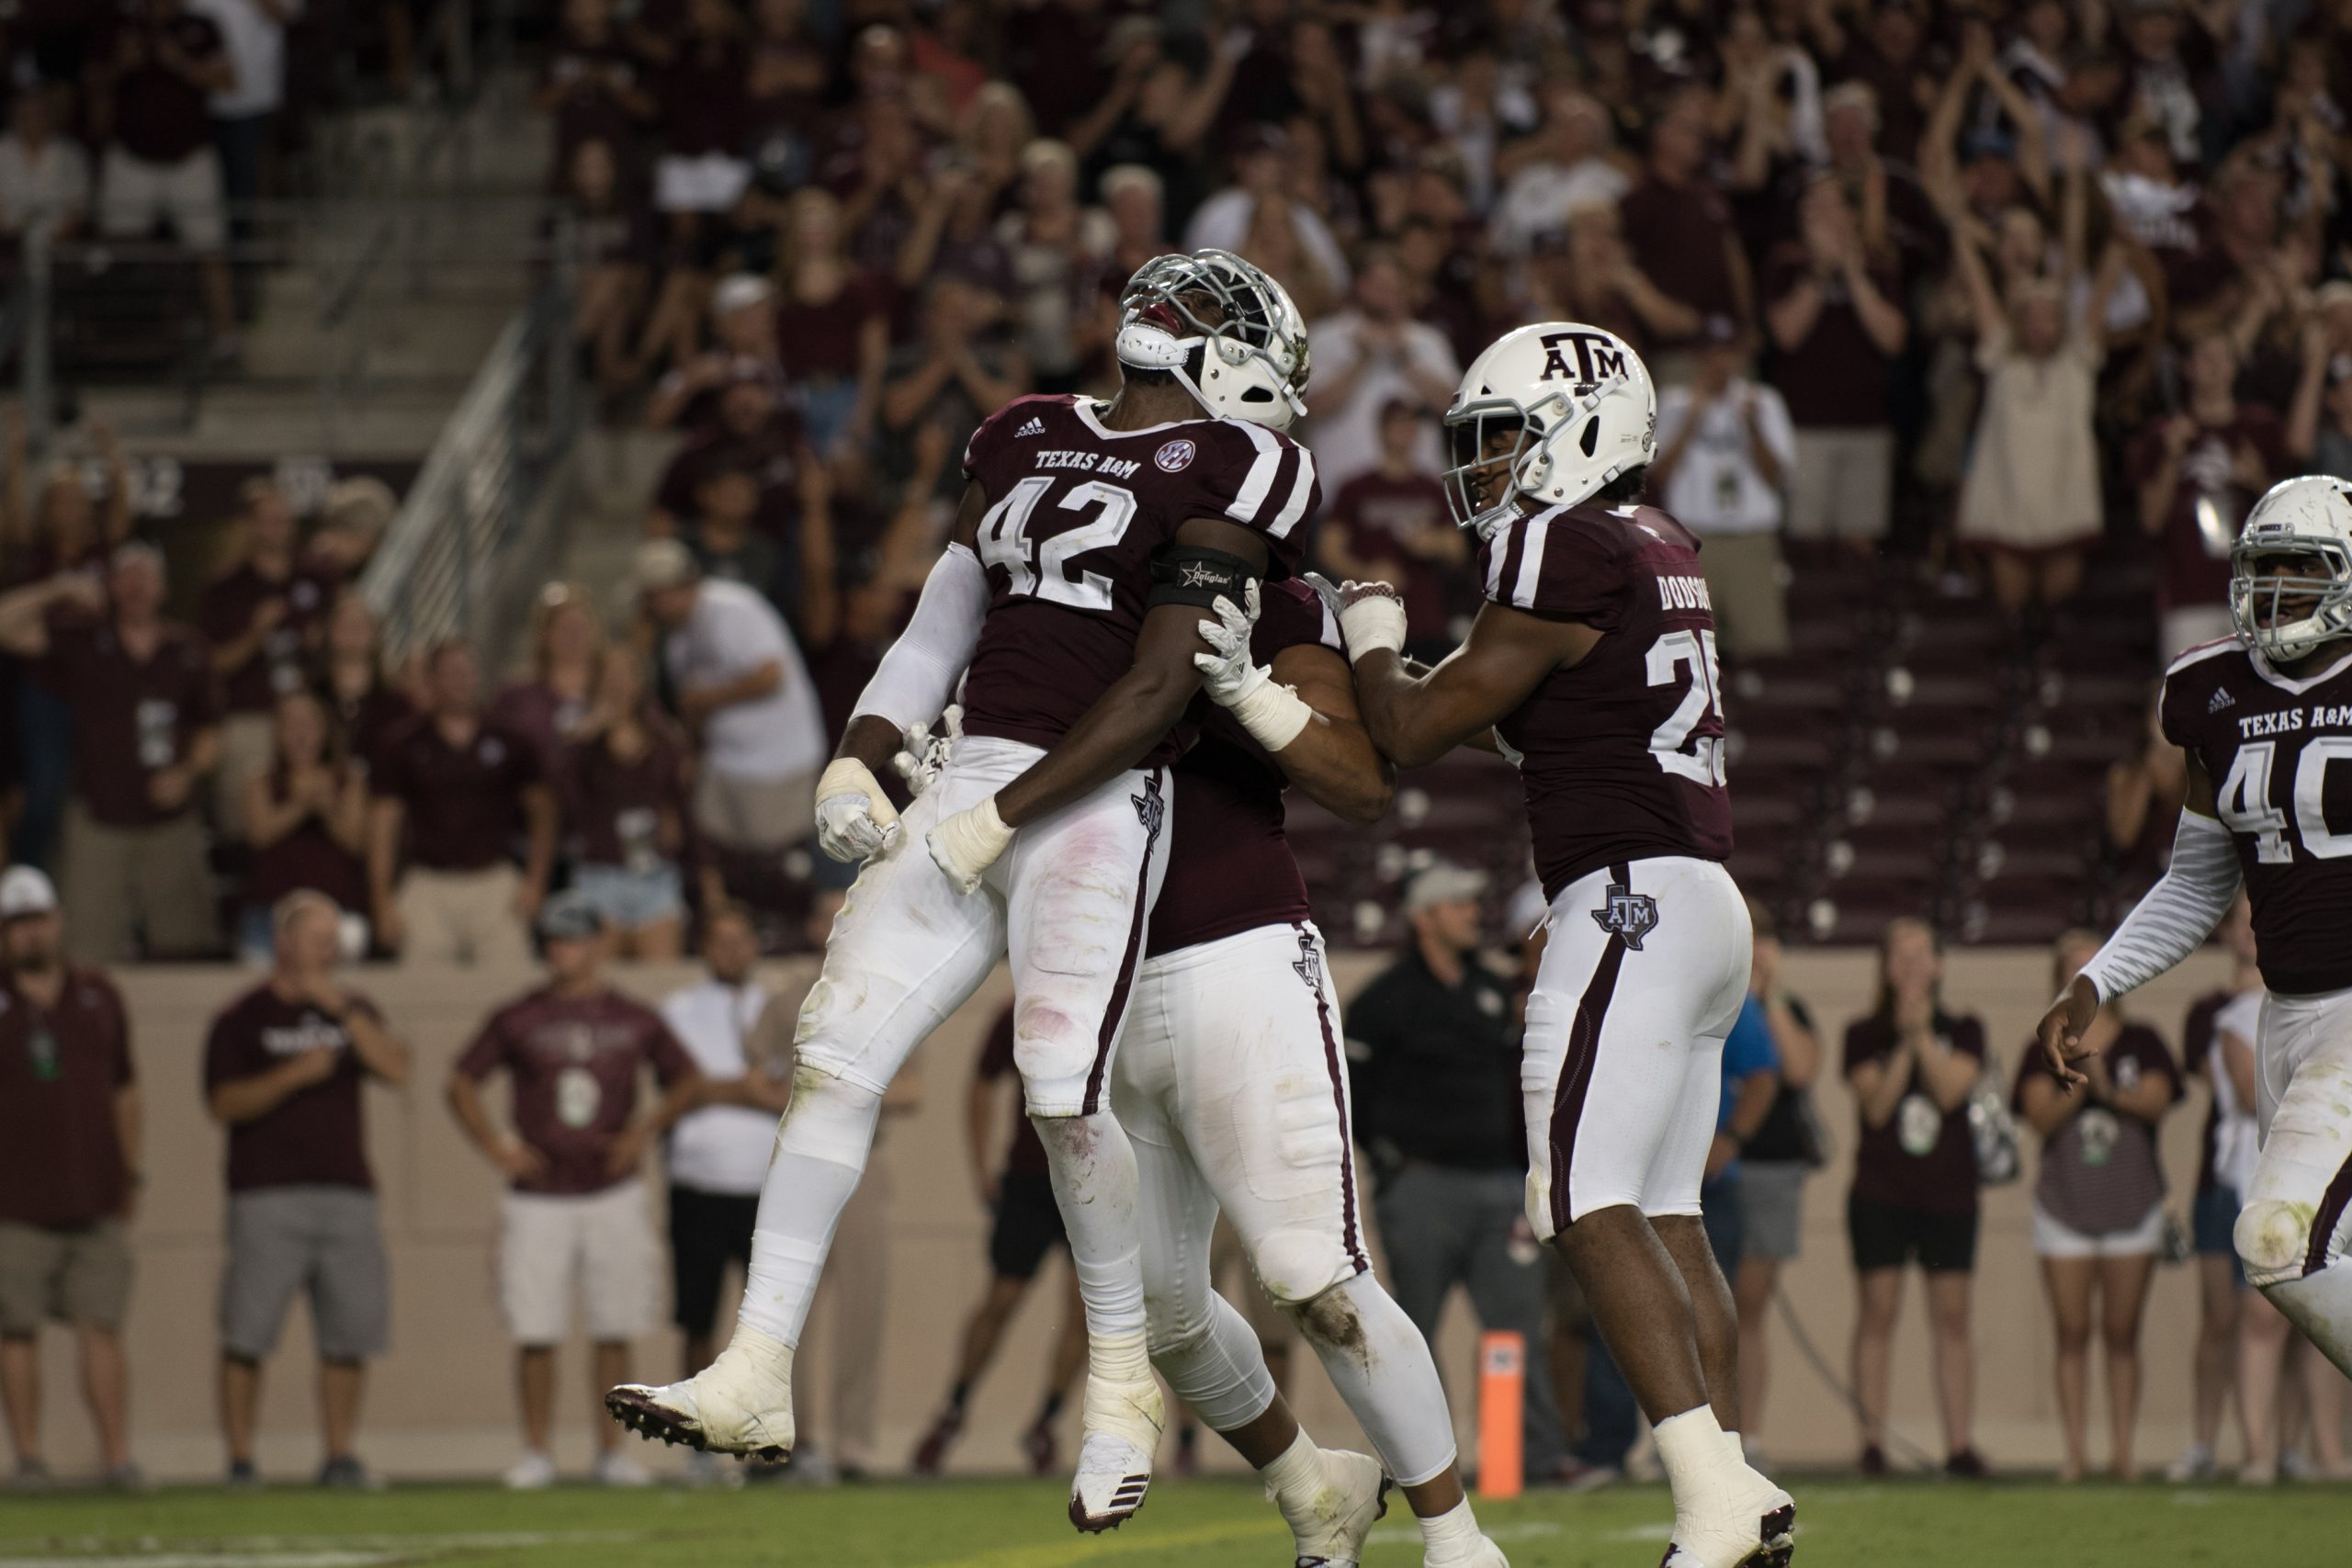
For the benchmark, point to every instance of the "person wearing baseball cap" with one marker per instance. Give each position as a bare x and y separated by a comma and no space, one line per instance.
1433,1065
743,689
69,1172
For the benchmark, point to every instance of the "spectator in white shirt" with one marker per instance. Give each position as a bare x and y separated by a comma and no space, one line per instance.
1225,219
44,176
244,115
1564,166
1725,448
744,692
1367,356
717,1156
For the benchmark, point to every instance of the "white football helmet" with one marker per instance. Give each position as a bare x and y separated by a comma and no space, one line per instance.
2307,516
1582,405
1252,360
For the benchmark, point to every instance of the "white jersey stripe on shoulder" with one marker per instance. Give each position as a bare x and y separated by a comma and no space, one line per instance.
1302,487
1258,483
2201,652
1497,552
1532,532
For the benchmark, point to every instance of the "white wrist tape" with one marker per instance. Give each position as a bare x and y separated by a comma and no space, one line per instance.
1375,622
854,818
1273,714
918,676
2176,916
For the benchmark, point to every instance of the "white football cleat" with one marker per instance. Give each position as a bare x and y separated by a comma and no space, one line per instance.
741,1404
1332,1524
1754,1527
1122,1424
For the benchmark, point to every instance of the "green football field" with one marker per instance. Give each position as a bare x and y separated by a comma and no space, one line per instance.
1020,1525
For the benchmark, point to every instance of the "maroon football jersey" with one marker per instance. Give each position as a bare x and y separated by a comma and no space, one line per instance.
575,1063
1621,756
1076,511
1230,867
2268,742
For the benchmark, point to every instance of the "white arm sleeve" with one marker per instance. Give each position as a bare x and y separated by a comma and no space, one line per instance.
919,675
2176,915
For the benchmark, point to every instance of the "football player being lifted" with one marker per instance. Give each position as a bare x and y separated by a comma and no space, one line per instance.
1092,537
2266,718
1591,666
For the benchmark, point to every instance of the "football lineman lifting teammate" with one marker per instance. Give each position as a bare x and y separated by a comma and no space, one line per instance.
2266,718
1091,538
1591,666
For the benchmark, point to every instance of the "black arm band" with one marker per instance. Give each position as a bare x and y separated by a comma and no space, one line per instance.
1190,574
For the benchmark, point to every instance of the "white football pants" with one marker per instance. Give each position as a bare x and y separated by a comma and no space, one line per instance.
2295,1228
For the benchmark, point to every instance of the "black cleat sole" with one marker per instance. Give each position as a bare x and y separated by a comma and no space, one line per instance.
1779,1533
1138,1486
648,1420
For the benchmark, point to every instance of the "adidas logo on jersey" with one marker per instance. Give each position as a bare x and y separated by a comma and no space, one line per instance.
1034,427
2221,699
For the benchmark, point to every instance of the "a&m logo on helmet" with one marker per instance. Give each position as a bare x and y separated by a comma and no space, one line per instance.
1174,457
1597,357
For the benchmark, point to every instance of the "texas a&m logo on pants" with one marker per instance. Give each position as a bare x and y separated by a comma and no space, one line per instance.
1151,810
1630,915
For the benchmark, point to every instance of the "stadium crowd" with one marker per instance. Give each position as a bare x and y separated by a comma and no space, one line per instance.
2015,301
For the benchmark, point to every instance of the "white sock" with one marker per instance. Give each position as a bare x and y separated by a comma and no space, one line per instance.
1451,1535
820,1149
1095,1185
1295,1475
1691,1447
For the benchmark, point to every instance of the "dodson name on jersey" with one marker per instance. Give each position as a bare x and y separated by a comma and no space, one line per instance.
1076,511
2279,754
1622,756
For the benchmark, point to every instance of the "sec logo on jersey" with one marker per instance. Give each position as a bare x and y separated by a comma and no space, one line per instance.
1175,456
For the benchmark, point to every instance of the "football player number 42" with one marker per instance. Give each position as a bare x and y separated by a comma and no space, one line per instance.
2244,800
1038,567
1669,657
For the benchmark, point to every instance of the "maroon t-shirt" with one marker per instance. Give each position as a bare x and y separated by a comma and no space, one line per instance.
1025,1156
615,810
1678,236
161,116
132,719
2197,1038
2100,1171
542,716
1621,756
1230,867
1921,1157
61,1158
592,76
277,665
2280,755
315,1136
1835,379
2196,568
574,1063
464,802
307,857
369,723
701,100
1076,512
1380,514
774,456
820,341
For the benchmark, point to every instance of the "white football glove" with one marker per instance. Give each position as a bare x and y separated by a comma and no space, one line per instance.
967,843
1371,616
854,818
926,755
1270,712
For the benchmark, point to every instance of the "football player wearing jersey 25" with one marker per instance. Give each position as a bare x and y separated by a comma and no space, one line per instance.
1092,537
1229,1080
2269,715
1592,667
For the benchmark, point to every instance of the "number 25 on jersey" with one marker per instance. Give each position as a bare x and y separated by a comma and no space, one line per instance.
1694,651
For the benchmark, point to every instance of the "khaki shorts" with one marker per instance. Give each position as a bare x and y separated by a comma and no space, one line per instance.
1843,485
71,1274
1743,573
741,813
132,193
463,917
603,1240
248,745
153,884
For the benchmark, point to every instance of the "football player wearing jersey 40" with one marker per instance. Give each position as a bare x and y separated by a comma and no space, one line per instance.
1591,666
2266,718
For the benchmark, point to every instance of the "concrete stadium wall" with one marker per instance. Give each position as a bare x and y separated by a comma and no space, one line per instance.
440,1403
